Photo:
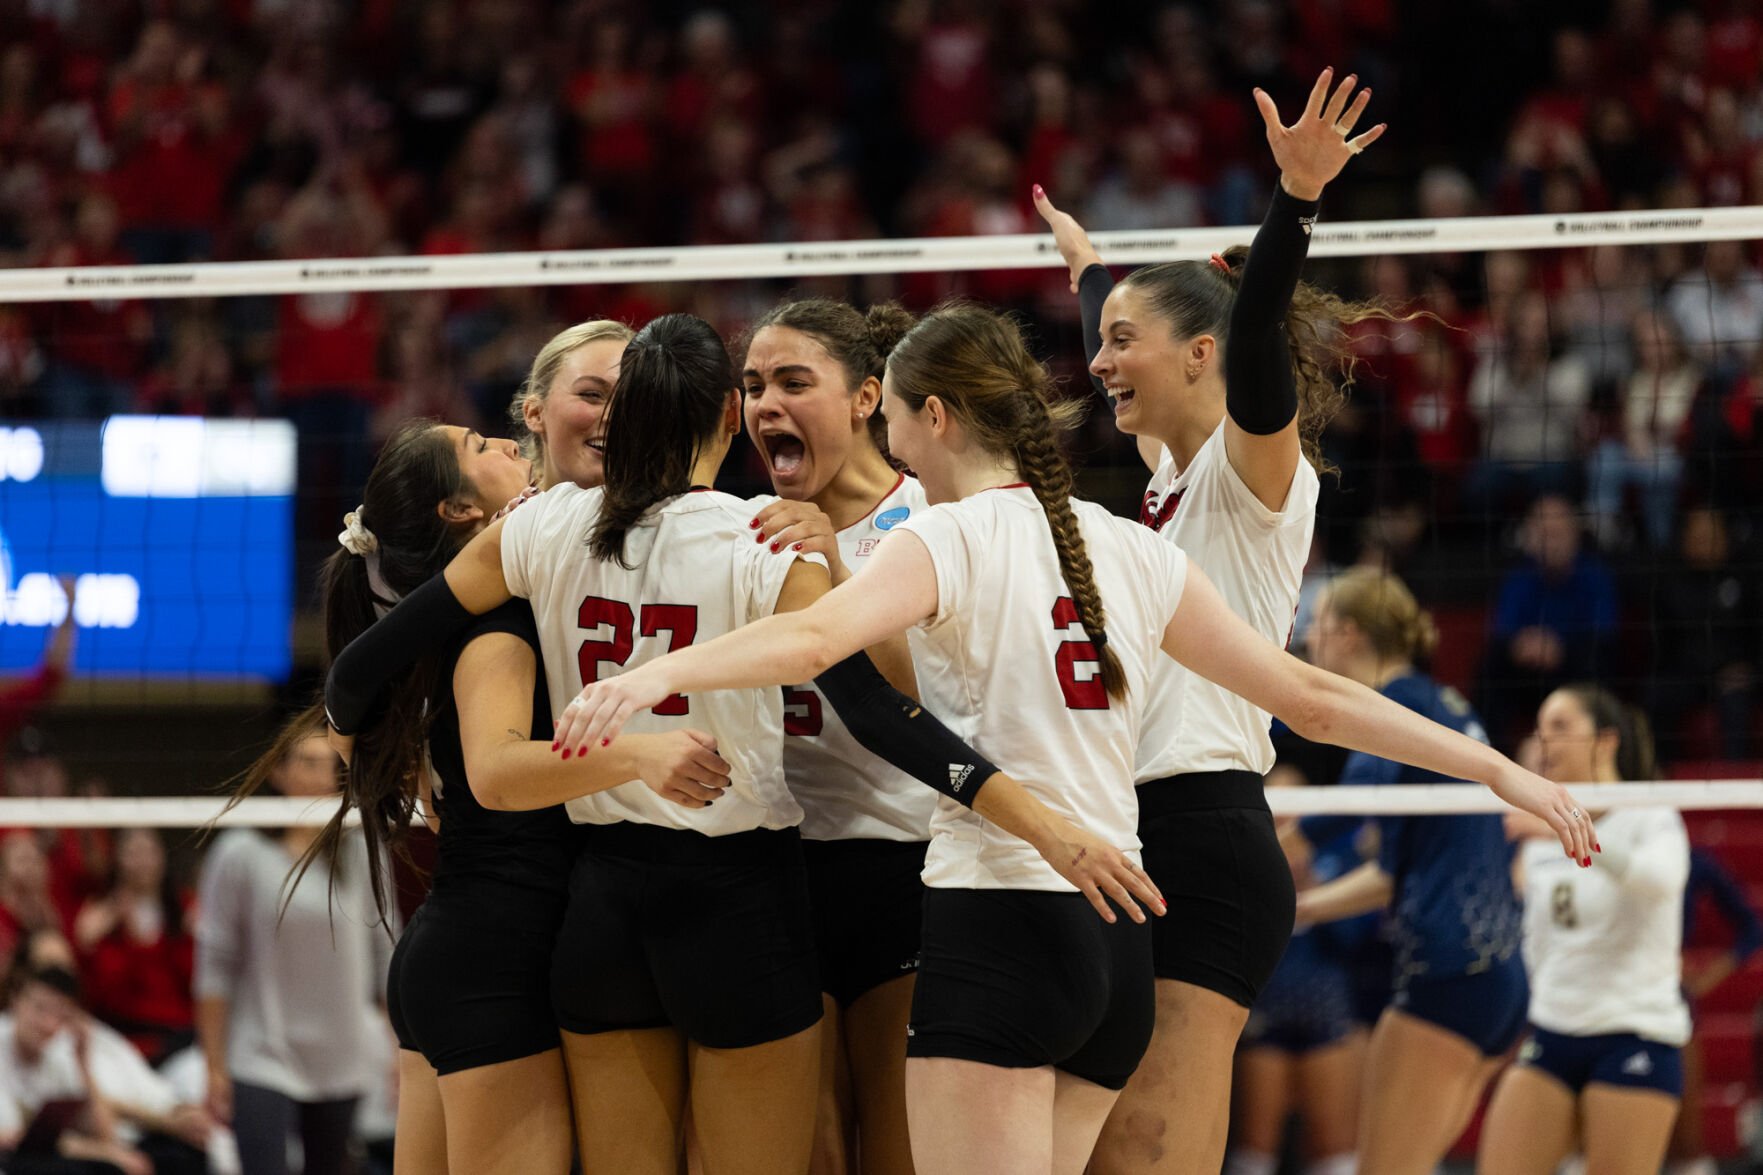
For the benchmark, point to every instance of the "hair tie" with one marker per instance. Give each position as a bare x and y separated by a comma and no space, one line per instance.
355,537
1220,264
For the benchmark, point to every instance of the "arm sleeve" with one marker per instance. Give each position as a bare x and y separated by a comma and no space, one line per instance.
1092,290
895,728
1735,909
1261,393
223,897
422,622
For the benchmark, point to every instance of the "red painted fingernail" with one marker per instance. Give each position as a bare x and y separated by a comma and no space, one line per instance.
797,547
753,525
566,752
774,548
553,746
760,537
1585,862
1596,847
605,742
1039,192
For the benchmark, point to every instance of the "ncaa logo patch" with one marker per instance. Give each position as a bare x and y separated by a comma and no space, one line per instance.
889,519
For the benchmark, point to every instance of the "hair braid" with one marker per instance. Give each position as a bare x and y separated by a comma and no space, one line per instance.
1045,469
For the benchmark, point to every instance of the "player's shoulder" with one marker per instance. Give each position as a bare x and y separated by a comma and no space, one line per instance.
713,510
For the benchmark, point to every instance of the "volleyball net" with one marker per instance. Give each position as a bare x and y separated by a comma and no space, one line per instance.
178,444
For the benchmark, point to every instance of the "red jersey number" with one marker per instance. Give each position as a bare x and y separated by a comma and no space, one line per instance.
1077,662
679,621
802,713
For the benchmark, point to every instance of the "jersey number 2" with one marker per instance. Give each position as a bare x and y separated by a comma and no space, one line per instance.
679,621
1081,692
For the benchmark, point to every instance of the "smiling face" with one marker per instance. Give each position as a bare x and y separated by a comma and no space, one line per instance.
571,416
802,410
1139,363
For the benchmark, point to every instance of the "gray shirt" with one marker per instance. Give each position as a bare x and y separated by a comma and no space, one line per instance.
302,986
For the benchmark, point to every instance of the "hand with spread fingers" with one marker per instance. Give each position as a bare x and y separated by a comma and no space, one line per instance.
1314,149
1073,242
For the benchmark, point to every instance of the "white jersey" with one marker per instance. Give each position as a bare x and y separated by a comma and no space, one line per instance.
1007,667
1604,945
695,574
845,791
1256,557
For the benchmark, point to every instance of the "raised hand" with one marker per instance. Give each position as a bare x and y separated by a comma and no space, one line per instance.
1074,244
1314,149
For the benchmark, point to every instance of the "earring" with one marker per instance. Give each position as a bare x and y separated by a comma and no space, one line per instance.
1193,374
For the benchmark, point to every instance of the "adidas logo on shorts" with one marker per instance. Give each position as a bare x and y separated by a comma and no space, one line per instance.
1530,1051
1639,1065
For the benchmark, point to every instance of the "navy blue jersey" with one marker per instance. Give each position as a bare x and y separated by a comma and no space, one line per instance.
1453,911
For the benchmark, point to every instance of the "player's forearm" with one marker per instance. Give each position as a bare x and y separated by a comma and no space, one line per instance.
1334,709
521,776
1361,891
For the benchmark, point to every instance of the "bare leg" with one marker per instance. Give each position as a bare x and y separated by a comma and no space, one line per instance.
1531,1125
1421,1085
511,1118
629,1094
1079,1110
1329,1083
875,1034
1265,1079
1626,1130
1174,1115
834,1115
753,1108
422,1126
974,1119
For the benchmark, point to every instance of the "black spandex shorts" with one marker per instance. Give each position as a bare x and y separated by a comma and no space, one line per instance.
710,935
868,912
466,992
1210,846
1024,978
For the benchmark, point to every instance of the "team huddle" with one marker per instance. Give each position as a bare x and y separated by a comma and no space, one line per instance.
913,818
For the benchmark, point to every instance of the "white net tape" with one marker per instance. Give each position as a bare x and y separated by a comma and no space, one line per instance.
1401,799
1470,234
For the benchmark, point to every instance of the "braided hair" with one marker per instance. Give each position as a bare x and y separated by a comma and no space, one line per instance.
976,362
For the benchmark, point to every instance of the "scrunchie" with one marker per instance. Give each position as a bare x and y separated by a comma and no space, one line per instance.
355,537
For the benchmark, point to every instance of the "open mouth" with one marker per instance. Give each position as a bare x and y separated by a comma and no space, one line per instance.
784,453
1121,397
598,444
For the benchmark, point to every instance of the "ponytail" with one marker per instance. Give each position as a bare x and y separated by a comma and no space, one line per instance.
673,384
1635,759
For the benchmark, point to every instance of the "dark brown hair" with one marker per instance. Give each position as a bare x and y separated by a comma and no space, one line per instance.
416,471
976,362
673,385
1196,297
860,340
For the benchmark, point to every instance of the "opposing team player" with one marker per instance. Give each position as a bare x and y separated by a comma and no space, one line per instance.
1602,1067
1029,1016
812,382
1225,372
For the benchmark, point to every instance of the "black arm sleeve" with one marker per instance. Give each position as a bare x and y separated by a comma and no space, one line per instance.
422,622
895,728
1092,290
1261,394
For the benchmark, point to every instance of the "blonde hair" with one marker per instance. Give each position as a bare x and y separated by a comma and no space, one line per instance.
544,370
975,361
1385,611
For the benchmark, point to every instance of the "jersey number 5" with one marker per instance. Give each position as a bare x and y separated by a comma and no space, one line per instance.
679,621
1082,687
802,714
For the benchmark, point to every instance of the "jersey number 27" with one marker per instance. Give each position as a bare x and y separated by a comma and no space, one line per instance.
679,621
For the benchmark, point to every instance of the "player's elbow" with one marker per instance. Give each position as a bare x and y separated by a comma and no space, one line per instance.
1316,704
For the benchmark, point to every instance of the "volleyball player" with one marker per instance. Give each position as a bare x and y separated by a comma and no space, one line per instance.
685,964
1224,373
1458,998
482,1087
1028,1017
1601,1067
812,381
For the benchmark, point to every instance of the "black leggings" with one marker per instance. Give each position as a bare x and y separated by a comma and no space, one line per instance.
263,1119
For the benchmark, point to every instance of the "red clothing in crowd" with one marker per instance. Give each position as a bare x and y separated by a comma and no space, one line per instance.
328,342
143,987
